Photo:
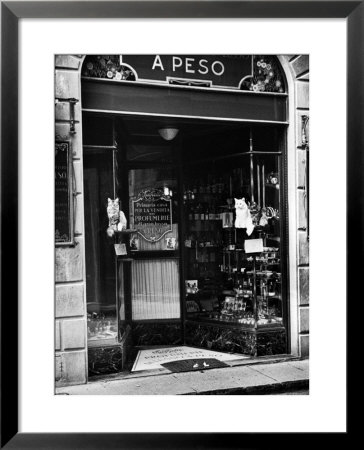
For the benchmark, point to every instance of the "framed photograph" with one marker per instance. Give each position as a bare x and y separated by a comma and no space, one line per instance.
235,124
191,286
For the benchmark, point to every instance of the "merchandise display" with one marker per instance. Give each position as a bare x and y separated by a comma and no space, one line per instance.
222,213
101,326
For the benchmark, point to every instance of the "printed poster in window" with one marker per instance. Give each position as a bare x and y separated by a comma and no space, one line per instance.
152,214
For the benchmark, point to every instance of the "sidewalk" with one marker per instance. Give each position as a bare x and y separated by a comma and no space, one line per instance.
247,379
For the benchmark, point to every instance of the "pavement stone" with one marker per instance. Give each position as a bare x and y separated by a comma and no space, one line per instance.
235,379
216,379
281,372
301,365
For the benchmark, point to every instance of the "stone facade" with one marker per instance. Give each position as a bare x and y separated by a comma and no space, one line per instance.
71,320
300,70
70,304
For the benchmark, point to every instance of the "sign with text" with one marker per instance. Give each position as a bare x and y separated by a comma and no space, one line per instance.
63,194
219,71
153,358
152,214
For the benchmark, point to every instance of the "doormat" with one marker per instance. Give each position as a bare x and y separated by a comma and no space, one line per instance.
188,365
153,358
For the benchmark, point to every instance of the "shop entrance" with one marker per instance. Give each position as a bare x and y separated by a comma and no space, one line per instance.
178,273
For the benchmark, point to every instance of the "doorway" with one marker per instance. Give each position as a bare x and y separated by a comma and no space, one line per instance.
178,274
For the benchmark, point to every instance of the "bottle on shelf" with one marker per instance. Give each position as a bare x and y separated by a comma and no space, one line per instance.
213,186
197,212
207,212
212,214
191,213
208,185
220,186
202,213
201,188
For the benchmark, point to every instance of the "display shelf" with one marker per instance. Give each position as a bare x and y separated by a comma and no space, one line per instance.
102,342
249,284
210,247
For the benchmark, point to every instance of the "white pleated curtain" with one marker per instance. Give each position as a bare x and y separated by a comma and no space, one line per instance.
155,289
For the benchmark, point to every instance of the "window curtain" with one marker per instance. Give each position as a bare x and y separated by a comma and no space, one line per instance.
155,289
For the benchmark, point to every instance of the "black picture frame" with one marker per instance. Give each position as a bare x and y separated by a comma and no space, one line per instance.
64,179
11,13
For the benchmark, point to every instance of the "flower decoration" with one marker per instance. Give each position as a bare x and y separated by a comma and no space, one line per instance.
267,76
106,66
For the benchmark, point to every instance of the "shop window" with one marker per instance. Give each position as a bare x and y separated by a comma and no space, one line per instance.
100,255
232,246
144,152
97,131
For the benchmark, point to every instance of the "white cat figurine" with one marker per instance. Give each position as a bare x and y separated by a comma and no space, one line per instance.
117,219
243,217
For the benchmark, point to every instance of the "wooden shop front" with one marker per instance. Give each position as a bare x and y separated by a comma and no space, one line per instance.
194,148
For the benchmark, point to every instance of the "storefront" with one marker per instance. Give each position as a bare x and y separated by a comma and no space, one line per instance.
189,219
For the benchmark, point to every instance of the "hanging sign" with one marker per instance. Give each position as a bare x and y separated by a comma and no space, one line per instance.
219,71
63,194
152,214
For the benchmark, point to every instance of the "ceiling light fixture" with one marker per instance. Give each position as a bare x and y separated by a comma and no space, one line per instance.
168,133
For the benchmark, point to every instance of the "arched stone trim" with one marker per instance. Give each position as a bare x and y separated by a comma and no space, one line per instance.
296,68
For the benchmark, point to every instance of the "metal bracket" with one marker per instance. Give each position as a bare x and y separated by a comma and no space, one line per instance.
305,146
72,101
304,135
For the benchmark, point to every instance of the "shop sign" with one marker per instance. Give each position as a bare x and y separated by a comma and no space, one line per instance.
152,212
63,194
219,71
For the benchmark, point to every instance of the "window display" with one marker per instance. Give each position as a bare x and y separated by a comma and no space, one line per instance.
102,214
192,235
233,267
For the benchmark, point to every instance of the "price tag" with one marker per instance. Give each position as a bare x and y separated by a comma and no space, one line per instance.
253,245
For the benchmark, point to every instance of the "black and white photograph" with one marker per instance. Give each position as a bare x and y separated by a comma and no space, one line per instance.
186,191
181,203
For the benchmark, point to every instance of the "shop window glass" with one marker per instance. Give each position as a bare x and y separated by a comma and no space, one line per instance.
97,130
100,254
224,282
141,153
